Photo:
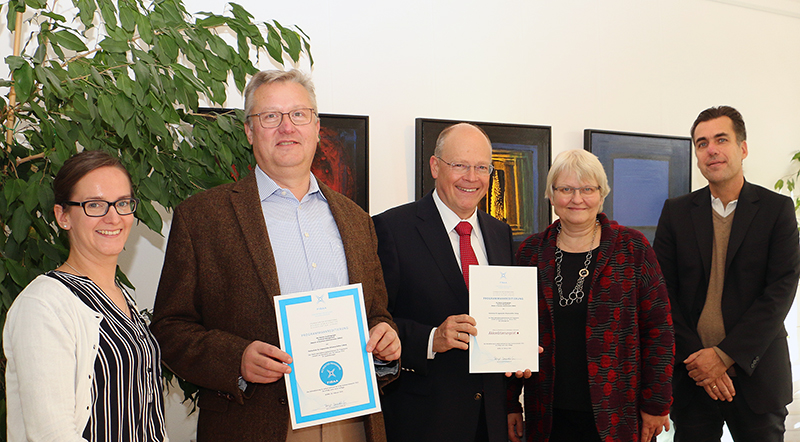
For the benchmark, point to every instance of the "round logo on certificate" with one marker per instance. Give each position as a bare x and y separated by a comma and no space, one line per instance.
330,373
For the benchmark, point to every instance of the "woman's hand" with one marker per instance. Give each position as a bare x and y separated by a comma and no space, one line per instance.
515,427
652,426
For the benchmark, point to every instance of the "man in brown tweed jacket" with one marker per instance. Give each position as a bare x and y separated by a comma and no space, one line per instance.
234,247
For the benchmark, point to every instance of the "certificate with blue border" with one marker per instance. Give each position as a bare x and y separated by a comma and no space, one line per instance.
333,376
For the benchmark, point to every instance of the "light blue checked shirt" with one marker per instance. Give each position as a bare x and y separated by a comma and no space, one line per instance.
306,243
308,249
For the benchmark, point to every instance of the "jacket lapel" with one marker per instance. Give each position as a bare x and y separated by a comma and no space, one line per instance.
493,241
746,209
352,241
703,227
247,207
437,240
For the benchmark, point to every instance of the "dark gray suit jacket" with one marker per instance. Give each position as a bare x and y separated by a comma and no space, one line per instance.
215,298
435,400
761,272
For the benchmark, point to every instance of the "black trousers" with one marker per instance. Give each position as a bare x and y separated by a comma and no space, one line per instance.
573,426
701,420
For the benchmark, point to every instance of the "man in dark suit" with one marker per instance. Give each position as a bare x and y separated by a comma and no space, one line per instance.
730,257
233,248
436,398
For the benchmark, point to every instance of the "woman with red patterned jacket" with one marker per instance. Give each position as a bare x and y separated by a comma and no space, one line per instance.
604,321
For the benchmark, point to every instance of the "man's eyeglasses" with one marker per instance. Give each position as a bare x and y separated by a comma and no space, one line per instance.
271,119
98,208
569,191
463,169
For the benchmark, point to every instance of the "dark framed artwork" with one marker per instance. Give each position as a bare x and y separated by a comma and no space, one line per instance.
521,158
342,160
643,171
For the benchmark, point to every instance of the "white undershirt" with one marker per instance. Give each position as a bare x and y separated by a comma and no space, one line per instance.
723,210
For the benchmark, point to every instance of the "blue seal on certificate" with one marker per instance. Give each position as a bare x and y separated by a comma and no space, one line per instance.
330,373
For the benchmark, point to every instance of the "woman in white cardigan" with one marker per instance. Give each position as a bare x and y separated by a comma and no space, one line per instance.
82,364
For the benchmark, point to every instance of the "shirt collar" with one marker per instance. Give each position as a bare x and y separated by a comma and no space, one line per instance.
267,186
449,218
720,208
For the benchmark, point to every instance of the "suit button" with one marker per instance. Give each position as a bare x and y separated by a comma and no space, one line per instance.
283,401
755,362
477,396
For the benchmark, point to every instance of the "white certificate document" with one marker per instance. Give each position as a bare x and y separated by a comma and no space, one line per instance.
326,333
504,302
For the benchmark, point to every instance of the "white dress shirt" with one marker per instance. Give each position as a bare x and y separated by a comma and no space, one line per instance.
723,211
450,221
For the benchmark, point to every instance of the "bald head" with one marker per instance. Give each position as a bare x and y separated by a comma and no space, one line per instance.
462,188
459,127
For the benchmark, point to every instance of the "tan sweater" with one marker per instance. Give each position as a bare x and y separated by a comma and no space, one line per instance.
711,327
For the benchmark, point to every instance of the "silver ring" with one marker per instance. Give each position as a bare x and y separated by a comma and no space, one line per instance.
713,387
458,336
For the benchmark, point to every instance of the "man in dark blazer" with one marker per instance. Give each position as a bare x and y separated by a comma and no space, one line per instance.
436,398
233,248
730,258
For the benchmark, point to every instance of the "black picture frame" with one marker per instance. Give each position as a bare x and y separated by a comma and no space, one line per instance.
521,156
643,171
342,157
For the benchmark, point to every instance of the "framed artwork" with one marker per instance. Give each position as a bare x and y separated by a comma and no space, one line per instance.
643,171
341,160
521,159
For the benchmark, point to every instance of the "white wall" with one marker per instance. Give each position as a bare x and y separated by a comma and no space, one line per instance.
628,65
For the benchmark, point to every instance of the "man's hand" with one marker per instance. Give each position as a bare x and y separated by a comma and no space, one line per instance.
384,343
721,389
705,366
652,425
264,363
454,333
515,427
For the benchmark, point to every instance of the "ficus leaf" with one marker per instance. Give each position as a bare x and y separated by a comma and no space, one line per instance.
108,11
127,15
54,16
211,21
20,222
36,4
86,10
18,273
69,40
23,81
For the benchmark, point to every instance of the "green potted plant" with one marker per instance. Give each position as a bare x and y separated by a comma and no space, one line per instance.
790,181
127,77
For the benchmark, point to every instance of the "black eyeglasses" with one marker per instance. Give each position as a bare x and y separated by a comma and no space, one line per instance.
271,119
98,208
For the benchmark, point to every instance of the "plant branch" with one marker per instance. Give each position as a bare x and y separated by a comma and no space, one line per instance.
12,95
30,158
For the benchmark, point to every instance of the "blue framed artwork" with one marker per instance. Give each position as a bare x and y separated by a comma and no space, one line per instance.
643,171
521,159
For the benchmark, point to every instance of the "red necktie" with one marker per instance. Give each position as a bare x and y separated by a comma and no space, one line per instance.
468,258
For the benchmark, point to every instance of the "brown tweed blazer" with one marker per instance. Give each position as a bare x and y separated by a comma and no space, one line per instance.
215,297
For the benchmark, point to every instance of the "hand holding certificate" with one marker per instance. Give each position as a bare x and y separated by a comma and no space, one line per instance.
333,376
504,302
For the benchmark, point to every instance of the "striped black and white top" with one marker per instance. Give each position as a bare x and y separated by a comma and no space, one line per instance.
127,393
